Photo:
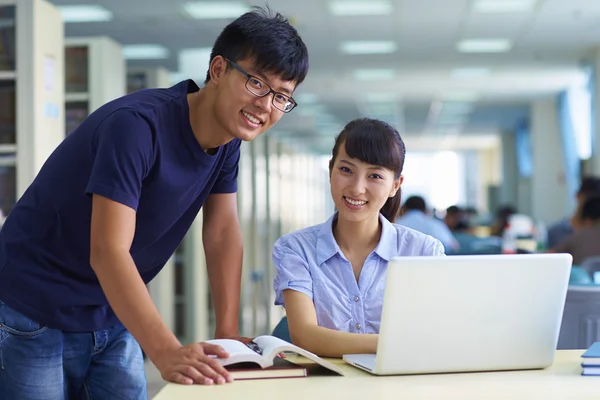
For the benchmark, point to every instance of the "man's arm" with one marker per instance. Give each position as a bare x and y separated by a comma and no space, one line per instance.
222,239
112,232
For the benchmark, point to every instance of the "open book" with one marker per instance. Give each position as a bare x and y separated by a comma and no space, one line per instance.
264,352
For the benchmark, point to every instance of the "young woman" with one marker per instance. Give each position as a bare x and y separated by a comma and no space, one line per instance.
331,277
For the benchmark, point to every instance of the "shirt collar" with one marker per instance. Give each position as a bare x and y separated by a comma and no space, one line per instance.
388,243
327,247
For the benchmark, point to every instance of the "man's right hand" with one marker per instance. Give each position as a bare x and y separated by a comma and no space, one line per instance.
193,364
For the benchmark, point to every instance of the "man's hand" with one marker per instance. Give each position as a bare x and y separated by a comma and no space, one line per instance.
193,364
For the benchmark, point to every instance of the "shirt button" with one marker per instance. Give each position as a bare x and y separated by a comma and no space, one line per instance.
357,326
356,298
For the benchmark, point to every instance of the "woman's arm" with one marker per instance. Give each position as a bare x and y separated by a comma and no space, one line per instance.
306,333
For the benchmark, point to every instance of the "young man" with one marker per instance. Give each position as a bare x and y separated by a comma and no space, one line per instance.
109,208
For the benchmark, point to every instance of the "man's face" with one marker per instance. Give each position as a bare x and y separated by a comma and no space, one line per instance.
244,114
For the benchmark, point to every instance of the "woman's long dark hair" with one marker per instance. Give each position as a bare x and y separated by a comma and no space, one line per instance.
374,142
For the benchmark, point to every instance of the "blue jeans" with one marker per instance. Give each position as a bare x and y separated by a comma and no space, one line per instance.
37,362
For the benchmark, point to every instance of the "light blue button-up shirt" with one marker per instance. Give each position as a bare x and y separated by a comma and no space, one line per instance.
311,262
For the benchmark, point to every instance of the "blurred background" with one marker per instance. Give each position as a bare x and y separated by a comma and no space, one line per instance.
495,99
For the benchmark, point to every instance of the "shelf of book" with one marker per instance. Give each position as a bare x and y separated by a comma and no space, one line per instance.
8,74
94,75
143,78
31,92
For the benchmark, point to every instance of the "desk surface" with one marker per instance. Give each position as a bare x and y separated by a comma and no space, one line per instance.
562,380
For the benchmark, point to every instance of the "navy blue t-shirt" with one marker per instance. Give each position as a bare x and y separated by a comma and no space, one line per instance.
138,150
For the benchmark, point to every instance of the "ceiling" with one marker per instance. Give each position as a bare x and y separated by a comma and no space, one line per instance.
423,97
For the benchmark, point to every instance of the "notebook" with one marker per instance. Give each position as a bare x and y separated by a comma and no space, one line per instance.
591,360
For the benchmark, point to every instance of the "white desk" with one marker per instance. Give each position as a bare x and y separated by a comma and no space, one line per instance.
561,381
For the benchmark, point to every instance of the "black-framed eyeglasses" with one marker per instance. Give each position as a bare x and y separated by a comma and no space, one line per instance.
260,88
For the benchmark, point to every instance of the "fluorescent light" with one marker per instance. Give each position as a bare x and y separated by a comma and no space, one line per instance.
145,52
484,45
374,74
85,13
470,73
503,6
215,9
360,7
368,47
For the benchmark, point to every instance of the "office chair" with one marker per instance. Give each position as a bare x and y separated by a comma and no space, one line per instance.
592,266
579,276
282,330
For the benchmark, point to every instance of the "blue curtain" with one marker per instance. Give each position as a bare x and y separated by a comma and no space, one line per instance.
569,146
592,89
523,150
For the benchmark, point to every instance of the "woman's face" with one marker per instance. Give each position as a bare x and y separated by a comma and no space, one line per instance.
360,190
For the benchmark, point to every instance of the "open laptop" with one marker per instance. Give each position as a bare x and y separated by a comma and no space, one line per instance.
469,313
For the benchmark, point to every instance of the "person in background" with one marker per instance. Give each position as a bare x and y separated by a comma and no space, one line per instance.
414,215
500,223
455,218
585,241
590,186
471,214
331,277
110,206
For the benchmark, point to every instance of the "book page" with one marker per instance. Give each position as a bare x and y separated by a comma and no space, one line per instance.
272,346
239,353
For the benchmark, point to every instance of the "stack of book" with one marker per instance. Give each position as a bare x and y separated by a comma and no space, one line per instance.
260,359
591,360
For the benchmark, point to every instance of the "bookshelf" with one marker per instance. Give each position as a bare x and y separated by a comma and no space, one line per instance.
94,75
31,92
142,78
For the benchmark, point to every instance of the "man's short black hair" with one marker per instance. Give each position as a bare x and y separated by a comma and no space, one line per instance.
269,39
415,203
590,211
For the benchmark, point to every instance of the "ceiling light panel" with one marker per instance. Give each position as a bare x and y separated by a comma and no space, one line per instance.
368,47
360,7
145,52
215,9
374,74
503,6
84,13
484,46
